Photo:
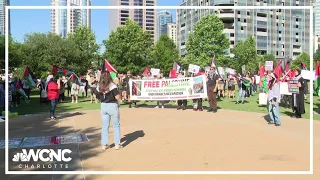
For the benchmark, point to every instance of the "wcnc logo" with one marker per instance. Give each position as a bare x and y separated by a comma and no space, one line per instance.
43,155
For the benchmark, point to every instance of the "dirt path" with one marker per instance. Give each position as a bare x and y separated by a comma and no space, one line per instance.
166,139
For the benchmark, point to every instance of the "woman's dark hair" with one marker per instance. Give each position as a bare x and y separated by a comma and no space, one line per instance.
271,83
105,80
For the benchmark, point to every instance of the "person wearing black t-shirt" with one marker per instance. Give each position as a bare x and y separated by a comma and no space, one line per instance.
107,92
212,86
126,85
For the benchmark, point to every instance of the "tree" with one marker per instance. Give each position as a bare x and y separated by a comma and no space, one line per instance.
129,48
85,49
14,54
246,54
164,53
302,58
40,51
207,40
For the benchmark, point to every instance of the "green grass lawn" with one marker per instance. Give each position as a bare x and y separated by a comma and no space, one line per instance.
251,105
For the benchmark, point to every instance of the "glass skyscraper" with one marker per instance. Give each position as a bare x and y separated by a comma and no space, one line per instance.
64,21
283,33
163,18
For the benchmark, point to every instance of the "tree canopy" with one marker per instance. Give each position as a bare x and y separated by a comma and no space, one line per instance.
206,41
164,54
129,48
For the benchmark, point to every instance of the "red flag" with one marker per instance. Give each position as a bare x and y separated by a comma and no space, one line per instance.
278,70
318,69
173,73
262,71
146,71
109,67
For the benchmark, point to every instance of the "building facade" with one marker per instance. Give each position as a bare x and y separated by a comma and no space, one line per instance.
163,18
145,18
283,33
172,31
64,21
3,4
316,24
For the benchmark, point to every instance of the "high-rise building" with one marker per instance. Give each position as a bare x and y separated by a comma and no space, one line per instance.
64,21
3,4
172,31
145,18
283,33
163,18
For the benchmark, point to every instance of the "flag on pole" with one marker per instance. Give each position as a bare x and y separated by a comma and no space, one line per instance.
278,70
57,72
27,75
213,63
317,81
106,66
146,71
21,91
176,66
303,66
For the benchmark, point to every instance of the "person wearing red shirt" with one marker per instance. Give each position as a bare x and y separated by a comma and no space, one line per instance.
53,95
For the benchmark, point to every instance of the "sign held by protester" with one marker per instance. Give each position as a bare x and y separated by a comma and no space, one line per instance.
293,86
169,89
193,68
269,66
155,72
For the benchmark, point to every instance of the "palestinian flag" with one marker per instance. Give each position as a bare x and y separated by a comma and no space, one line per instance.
176,66
57,72
72,77
303,66
246,82
106,66
67,73
21,91
317,81
27,75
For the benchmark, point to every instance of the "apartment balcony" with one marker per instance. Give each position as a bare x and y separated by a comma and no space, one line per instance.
223,2
226,16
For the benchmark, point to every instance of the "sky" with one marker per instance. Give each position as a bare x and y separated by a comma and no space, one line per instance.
28,21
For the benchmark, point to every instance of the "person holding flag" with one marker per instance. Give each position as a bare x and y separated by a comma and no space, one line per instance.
108,93
274,100
242,88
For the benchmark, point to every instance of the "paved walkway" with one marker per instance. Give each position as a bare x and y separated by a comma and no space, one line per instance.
167,139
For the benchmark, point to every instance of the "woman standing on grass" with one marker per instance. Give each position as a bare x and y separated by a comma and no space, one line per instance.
274,100
107,92
53,95
298,98
75,91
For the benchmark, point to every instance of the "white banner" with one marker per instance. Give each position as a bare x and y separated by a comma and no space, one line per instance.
169,89
155,72
309,75
269,66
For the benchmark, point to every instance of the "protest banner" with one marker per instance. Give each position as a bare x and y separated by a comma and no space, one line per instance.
169,89
269,66
193,68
